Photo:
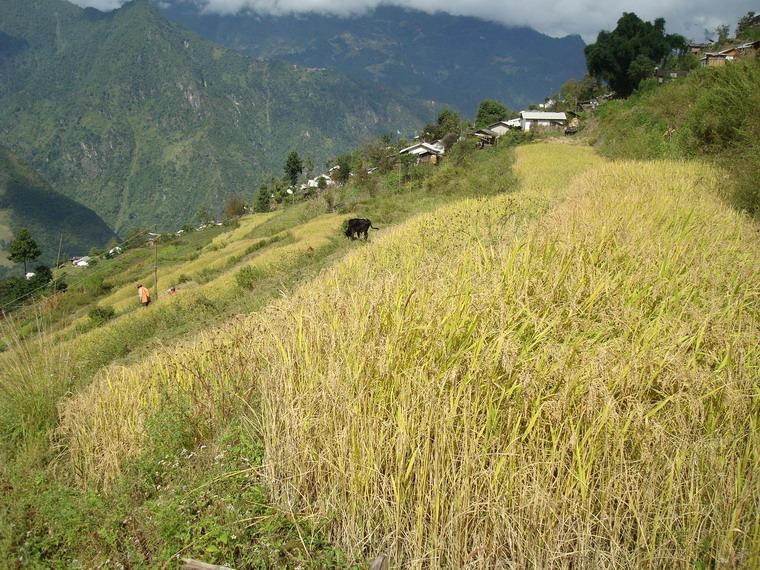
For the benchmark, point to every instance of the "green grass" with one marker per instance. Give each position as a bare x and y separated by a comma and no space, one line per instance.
710,115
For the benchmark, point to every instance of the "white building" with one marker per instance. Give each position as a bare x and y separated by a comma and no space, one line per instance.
81,261
314,182
501,127
542,120
425,152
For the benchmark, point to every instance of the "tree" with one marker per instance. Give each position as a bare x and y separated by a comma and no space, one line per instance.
632,42
308,166
574,91
448,122
23,249
343,171
722,32
748,27
489,112
234,208
640,68
293,167
261,203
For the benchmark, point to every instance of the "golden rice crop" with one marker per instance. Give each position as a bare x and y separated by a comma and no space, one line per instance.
565,376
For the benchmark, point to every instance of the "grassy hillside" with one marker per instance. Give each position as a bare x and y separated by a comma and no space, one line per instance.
28,201
711,115
145,122
274,252
499,380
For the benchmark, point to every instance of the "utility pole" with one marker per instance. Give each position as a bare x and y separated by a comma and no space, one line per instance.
58,257
155,263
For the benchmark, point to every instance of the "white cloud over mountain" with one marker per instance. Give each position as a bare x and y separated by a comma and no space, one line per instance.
585,17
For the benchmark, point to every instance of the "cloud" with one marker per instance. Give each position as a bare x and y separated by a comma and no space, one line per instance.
104,5
585,17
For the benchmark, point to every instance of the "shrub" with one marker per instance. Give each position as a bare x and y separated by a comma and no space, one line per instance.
247,277
101,315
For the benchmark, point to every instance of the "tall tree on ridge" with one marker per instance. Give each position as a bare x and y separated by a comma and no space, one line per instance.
629,53
23,248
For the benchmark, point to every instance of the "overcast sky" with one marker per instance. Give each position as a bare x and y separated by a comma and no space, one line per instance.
556,18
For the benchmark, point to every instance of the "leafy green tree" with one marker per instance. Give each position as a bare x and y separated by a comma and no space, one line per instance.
293,167
489,112
633,42
343,171
448,122
640,68
261,203
23,248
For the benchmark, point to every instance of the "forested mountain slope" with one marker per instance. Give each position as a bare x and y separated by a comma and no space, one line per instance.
28,201
144,122
455,60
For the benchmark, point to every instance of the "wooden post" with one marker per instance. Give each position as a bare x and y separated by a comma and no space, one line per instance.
190,564
155,264
58,257
379,563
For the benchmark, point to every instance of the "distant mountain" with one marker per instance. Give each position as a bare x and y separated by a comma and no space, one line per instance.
144,121
28,201
452,59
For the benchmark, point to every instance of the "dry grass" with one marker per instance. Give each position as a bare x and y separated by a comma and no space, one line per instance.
563,377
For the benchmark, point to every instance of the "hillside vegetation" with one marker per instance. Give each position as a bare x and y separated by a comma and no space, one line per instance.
28,201
145,122
562,375
710,115
56,347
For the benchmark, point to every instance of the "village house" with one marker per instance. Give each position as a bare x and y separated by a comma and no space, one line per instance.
665,75
542,120
745,50
485,137
314,182
697,48
501,127
81,261
426,153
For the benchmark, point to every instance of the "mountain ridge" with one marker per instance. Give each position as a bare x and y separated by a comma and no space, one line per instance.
457,60
145,121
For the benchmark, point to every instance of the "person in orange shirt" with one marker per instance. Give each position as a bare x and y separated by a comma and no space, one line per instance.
143,294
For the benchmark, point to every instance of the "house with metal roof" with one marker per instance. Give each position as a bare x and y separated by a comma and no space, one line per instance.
501,127
542,120
426,152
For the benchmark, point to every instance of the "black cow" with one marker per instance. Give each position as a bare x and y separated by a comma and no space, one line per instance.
357,226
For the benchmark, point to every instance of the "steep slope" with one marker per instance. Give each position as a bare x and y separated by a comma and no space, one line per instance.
510,373
452,59
144,122
28,201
